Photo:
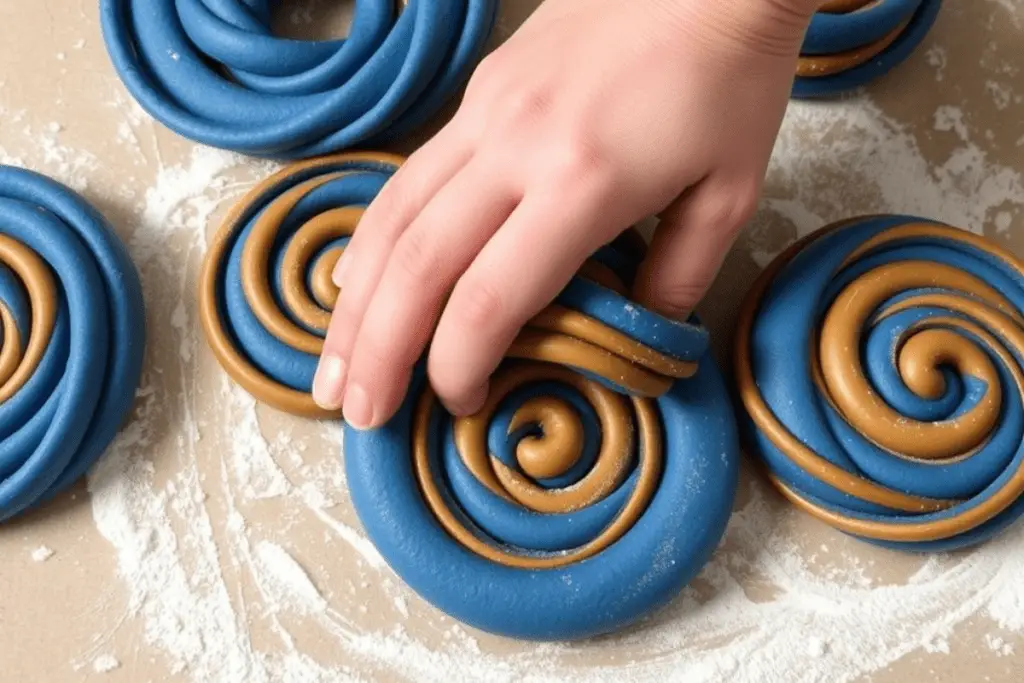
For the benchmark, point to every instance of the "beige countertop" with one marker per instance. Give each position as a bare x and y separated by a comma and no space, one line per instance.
216,541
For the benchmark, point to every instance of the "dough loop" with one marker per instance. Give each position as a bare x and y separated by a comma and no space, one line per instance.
852,42
72,322
265,292
902,423
587,492
212,71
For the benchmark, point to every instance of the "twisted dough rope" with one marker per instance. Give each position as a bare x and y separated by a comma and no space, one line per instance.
852,42
212,71
72,319
903,424
590,488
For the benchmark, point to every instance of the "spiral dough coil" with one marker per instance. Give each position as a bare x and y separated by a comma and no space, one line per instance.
903,423
72,320
852,42
592,486
212,71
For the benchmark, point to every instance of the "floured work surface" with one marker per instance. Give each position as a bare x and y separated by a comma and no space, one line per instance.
216,541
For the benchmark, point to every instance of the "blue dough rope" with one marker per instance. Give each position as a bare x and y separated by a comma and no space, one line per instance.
903,424
73,338
211,70
836,34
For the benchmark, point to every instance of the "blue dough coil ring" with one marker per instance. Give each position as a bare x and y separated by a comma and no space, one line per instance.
591,488
265,293
852,42
72,319
903,423
211,70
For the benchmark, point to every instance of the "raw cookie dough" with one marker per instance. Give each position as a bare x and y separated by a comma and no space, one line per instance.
588,492
902,422
265,293
212,71
73,325
591,488
852,42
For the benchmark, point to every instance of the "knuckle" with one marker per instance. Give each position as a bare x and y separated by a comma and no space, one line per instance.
730,211
677,299
415,257
521,104
578,156
477,306
451,384
373,360
486,74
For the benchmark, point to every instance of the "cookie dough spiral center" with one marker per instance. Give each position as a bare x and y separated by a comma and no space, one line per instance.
926,349
558,446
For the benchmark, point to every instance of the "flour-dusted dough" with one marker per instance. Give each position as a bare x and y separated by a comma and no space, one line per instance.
591,488
213,72
265,293
881,365
73,328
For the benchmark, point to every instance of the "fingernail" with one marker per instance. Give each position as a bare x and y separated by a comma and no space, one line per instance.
329,382
339,270
357,411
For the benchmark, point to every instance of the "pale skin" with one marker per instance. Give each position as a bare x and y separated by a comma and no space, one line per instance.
595,115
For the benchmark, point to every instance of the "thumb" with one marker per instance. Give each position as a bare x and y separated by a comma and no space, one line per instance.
689,245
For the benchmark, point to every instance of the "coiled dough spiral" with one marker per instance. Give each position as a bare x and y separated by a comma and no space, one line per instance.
902,422
852,42
265,292
212,71
593,485
73,326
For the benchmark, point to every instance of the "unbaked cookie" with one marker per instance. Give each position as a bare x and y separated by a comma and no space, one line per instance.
852,42
213,72
593,486
880,363
73,324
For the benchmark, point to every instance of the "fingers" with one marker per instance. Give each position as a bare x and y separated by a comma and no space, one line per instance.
424,265
366,254
691,243
400,201
520,271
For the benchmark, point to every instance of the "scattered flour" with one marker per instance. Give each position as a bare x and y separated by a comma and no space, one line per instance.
186,568
42,554
105,664
226,597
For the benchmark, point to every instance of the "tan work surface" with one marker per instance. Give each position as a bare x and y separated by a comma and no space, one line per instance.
217,543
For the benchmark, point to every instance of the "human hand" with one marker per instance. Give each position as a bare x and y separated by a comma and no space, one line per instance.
595,115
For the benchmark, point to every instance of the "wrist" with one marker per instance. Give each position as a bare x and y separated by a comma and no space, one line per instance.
801,7
773,27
